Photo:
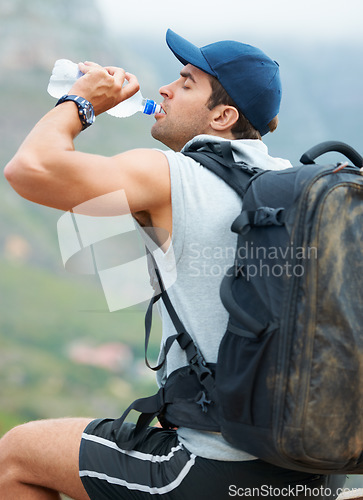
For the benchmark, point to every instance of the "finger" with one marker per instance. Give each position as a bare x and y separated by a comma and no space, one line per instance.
117,73
132,87
130,76
113,70
86,66
93,64
119,76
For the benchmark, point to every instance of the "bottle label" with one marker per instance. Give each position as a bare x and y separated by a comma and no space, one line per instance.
149,107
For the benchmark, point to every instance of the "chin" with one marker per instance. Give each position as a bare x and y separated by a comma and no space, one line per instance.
158,135
155,131
172,137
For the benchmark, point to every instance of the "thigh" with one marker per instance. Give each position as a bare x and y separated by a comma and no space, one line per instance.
154,469
45,453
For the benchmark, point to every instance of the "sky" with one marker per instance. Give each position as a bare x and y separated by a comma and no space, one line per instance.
305,20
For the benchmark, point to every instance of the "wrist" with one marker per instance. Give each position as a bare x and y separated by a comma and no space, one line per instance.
86,112
65,119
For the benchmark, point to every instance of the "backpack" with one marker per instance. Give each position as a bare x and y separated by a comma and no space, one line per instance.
288,383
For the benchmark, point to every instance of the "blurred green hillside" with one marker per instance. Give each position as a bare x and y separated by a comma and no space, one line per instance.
43,318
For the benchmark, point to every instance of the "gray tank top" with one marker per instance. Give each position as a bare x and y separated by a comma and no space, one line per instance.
202,250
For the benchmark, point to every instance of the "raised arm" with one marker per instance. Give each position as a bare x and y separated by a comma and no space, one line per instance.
47,169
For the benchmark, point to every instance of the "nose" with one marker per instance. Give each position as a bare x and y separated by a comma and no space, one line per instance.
166,91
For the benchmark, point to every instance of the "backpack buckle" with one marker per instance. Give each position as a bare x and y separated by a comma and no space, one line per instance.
199,365
204,402
268,216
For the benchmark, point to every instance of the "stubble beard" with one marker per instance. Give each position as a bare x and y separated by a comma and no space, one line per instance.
176,134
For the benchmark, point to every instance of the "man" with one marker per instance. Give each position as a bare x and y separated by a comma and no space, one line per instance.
226,91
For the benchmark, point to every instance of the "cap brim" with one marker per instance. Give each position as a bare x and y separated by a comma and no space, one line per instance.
186,52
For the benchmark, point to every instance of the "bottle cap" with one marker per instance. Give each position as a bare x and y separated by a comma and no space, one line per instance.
151,107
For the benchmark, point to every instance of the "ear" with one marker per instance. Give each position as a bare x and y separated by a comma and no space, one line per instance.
224,117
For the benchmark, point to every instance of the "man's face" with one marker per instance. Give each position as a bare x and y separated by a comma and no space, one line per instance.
185,105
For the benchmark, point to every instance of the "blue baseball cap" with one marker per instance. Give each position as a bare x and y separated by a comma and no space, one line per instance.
246,73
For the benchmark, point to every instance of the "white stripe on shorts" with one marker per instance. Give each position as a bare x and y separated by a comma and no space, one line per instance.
142,487
135,454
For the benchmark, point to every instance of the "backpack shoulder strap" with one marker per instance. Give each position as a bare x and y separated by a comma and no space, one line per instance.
153,406
218,158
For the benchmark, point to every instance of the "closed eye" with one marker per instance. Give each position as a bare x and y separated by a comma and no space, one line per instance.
187,75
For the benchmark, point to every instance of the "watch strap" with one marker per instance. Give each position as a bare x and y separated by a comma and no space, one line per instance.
85,109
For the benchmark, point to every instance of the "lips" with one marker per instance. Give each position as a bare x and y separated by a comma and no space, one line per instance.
161,113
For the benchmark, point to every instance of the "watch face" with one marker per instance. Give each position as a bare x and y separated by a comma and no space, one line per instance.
88,114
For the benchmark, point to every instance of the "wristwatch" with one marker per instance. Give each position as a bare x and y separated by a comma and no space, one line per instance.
85,109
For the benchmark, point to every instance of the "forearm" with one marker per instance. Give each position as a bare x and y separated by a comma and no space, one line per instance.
45,151
58,129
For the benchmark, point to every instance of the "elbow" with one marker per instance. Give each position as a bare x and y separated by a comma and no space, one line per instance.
13,170
19,172
9,171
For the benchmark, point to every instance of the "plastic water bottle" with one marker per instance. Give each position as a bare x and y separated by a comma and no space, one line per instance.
134,104
65,73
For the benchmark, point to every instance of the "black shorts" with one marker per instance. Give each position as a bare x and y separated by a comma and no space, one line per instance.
160,467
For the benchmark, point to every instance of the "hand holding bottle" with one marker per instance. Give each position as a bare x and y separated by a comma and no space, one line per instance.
104,87
109,89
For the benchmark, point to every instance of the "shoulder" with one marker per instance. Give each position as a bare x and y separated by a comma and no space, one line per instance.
143,174
145,161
